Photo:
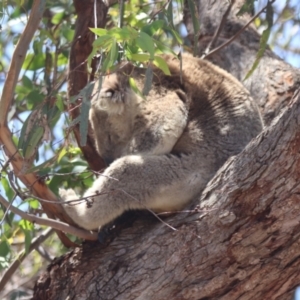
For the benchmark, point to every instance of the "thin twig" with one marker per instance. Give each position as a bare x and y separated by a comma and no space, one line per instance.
7,210
73,201
236,35
95,16
58,225
158,11
9,159
148,209
18,58
22,255
218,31
44,254
121,15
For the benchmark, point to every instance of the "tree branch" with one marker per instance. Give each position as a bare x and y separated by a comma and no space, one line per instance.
81,233
22,255
18,57
236,35
218,31
31,180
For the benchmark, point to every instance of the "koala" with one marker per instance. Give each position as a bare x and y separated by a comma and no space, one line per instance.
162,149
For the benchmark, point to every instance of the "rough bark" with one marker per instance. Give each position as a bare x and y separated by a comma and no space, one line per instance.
78,72
242,241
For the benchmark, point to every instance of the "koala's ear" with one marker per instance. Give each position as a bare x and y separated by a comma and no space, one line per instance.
182,96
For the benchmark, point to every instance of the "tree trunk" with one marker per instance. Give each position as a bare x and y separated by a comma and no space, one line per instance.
242,240
78,72
273,82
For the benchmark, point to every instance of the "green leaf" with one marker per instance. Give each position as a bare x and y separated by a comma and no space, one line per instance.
26,225
153,27
123,34
177,36
263,40
57,18
163,48
7,188
34,61
42,168
113,54
247,7
84,113
169,14
135,88
104,41
33,203
142,57
99,31
34,98
4,264
161,64
145,42
60,103
148,80
28,238
4,248
27,82
62,153
68,34
195,22
62,60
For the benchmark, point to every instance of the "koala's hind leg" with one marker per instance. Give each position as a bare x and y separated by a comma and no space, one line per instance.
160,183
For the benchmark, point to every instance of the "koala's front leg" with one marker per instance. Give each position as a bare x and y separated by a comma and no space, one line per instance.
159,183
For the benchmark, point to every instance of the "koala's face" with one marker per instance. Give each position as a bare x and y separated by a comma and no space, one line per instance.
114,107
112,96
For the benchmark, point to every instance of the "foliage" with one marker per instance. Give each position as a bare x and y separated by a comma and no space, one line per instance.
37,116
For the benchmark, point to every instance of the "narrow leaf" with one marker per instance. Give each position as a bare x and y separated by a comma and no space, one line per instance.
195,22
148,80
161,64
145,42
8,190
247,7
153,27
142,57
28,239
169,14
99,31
135,88
263,40
84,114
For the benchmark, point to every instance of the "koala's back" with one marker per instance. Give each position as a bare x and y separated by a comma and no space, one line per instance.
222,116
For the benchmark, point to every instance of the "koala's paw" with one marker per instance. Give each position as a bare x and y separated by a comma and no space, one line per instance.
67,195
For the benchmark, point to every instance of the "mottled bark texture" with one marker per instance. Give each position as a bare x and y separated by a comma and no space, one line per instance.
78,71
243,241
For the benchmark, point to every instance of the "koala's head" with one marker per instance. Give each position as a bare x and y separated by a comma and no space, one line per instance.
114,106
114,94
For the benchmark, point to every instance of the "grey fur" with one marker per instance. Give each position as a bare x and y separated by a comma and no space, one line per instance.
163,149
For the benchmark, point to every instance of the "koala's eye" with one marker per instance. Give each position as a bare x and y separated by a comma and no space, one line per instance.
109,93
